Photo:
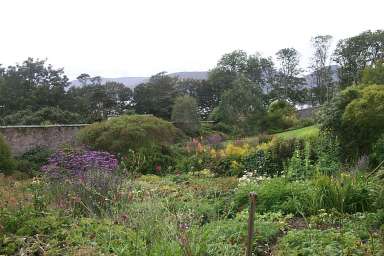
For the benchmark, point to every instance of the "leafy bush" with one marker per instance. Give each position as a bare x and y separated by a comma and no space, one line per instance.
356,118
227,237
300,165
153,159
320,242
44,116
278,194
261,163
6,160
373,74
345,193
327,150
377,155
33,159
124,133
281,116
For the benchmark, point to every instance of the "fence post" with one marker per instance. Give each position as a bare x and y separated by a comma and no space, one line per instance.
251,219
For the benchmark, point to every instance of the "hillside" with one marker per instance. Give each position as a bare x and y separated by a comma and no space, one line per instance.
132,82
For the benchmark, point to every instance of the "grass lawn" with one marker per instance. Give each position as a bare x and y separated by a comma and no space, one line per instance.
305,132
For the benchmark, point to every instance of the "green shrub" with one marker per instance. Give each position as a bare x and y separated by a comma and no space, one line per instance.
121,134
300,165
328,154
356,117
153,159
345,193
281,116
32,160
377,155
261,163
144,134
227,237
278,194
320,242
6,160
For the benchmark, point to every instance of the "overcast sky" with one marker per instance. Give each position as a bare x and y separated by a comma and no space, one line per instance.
114,38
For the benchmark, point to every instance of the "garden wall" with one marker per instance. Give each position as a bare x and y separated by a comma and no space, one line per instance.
24,138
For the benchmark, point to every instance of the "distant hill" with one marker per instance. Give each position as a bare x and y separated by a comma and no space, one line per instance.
132,82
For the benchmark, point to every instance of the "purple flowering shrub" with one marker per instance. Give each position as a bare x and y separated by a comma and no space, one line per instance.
82,181
78,162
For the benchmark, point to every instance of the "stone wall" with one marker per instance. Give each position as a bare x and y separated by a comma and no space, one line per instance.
24,138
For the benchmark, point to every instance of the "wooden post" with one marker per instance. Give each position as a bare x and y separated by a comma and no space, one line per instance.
251,219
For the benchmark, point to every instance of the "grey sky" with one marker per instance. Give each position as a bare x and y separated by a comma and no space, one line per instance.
115,38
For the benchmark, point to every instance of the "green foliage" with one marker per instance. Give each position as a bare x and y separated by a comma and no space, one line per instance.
322,72
288,85
278,194
121,134
300,165
185,115
226,237
304,133
345,193
153,159
355,117
355,53
281,115
157,96
328,154
32,85
320,242
44,116
6,160
95,101
261,163
373,74
34,158
377,155
241,107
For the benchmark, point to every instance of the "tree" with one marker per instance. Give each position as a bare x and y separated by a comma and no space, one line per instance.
321,69
241,107
289,86
95,101
261,71
281,115
202,91
33,85
157,96
374,74
234,62
356,118
46,115
355,53
185,115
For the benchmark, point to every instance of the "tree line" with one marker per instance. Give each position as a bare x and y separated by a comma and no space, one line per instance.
239,90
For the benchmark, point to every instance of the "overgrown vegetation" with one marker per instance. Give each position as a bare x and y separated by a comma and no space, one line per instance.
137,185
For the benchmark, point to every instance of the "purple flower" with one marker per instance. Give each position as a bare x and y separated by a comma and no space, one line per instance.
79,162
